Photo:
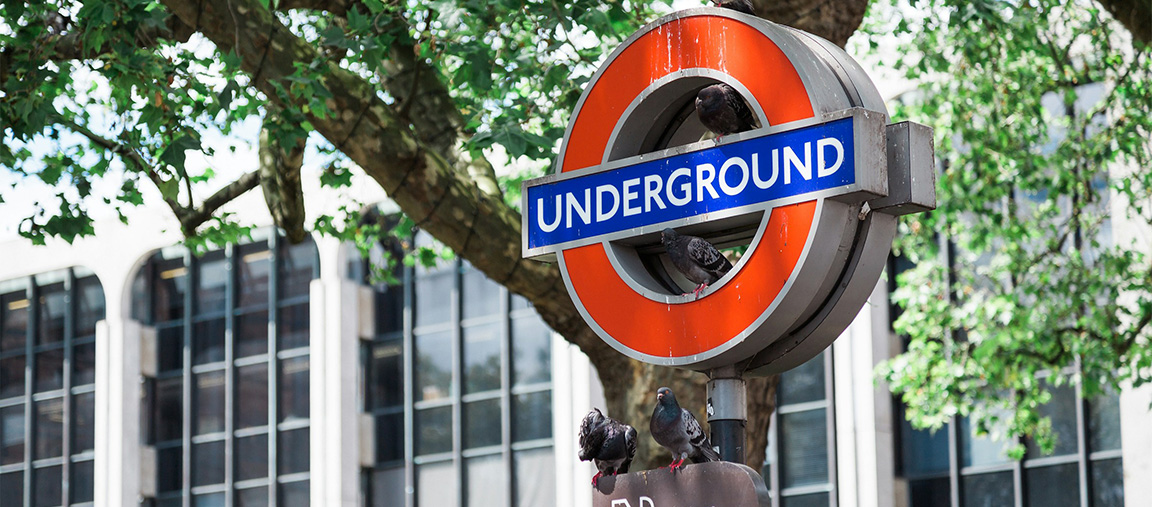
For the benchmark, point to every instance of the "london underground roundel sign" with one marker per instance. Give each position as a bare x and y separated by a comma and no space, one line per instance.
813,193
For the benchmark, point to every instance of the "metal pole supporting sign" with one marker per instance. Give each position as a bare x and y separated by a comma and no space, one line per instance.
814,194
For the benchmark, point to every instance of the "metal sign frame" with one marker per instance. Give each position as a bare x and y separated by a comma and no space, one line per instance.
812,260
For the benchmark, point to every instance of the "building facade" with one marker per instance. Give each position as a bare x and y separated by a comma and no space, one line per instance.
135,373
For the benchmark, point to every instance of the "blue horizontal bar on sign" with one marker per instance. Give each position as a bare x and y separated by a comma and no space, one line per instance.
760,170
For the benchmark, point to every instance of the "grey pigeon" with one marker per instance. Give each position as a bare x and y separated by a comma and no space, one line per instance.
696,258
723,111
609,443
676,429
744,6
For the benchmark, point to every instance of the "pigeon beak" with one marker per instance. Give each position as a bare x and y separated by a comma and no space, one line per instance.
659,396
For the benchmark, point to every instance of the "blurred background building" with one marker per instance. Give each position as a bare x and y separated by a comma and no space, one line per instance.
134,373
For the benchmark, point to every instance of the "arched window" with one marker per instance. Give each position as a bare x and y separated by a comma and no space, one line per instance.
227,378
47,387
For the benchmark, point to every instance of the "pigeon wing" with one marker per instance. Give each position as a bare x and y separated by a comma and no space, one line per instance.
735,101
591,438
629,448
707,256
697,438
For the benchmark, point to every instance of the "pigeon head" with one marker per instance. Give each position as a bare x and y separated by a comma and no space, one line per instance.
595,417
665,397
710,98
668,235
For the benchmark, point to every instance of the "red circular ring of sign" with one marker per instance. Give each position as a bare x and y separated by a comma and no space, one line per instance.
698,326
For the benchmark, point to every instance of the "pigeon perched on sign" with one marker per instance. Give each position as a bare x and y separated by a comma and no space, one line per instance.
676,429
723,111
609,443
701,262
744,6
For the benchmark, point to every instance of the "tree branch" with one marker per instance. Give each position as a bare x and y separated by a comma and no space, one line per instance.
190,218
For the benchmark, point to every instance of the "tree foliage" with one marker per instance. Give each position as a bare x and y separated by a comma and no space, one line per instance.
1027,276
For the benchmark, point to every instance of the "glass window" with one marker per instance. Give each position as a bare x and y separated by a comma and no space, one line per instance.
386,380
294,494
434,430
46,483
84,427
433,366
53,306
232,397
987,489
481,295
1053,486
1107,483
433,297
209,400
252,391
387,487
812,500
294,389
980,450
390,437
1061,409
482,357
12,434
169,287
212,283
252,497
169,467
482,423
296,269
84,364
255,263
252,457
470,338
82,484
484,480
168,418
804,452
14,316
799,459
1104,423
531,351
930,492
49,371
207,463
292,326
12,484
436,485
532,416
48,432
535,472
252,334
802,384
170,348
12,376
90,305
207,342
293,448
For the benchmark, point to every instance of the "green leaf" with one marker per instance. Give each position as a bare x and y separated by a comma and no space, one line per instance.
174,154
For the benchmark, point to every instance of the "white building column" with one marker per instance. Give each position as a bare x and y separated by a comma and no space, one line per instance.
1136,442
865,459
334,380
575,390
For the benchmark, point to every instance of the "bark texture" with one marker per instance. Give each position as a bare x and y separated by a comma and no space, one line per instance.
833,20
1135,15
280,180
